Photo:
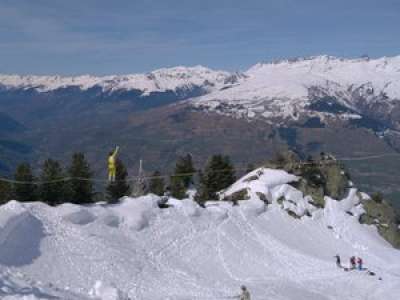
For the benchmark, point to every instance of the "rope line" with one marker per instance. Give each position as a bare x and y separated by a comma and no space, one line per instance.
133,178
368,157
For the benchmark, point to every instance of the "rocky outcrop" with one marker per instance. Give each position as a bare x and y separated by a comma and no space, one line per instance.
305,187
237,196
320,177
384,217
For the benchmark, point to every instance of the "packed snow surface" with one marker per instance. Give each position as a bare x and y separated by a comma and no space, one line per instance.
135,250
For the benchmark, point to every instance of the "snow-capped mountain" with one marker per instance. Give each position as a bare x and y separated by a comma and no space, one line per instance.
320,86
289,90
167,79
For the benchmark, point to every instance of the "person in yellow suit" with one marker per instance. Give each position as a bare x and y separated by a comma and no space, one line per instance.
112,167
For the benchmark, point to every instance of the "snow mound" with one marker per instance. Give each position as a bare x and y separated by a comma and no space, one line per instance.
111,220
136,214
15,286
293,200
271,186
80,217
106,292
20,235
260,182
186,206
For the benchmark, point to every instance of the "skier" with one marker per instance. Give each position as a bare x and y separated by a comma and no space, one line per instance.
163,202
338,262
352,262
245,295
112,168
359,263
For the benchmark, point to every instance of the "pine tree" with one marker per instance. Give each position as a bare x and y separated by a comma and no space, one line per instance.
202,194
157,184
184,167
218,175
120,187
53,192
177,187
80,191
183,176
228,174
5,192
25,191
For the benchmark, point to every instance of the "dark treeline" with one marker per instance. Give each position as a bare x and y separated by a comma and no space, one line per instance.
218,174
55,184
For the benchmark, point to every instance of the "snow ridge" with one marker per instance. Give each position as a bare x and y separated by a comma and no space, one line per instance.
156,81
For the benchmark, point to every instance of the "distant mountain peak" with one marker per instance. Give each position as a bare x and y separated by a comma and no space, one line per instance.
158,80
324,58
286,90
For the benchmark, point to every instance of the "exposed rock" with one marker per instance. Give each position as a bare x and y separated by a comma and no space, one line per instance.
237,196
251,178
336,180
325,177
316,192
385,218
280,200
286,160
292,214
262,197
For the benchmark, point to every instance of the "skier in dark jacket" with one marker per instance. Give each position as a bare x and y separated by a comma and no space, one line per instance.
359,263
338,262
163,202
245,295
352,262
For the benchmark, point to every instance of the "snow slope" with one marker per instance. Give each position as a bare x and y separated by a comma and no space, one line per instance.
136,249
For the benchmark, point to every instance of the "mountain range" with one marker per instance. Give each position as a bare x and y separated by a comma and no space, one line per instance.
349,107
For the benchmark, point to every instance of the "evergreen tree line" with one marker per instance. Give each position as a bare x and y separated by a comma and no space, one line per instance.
218,174
56,185
74,184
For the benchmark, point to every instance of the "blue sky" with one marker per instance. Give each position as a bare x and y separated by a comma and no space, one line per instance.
129,36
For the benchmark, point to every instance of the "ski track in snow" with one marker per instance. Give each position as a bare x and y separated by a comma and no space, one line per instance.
187,252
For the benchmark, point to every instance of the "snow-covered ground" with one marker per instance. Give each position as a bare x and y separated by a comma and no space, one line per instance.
136,250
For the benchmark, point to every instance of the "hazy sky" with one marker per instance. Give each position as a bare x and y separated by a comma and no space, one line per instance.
128,36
